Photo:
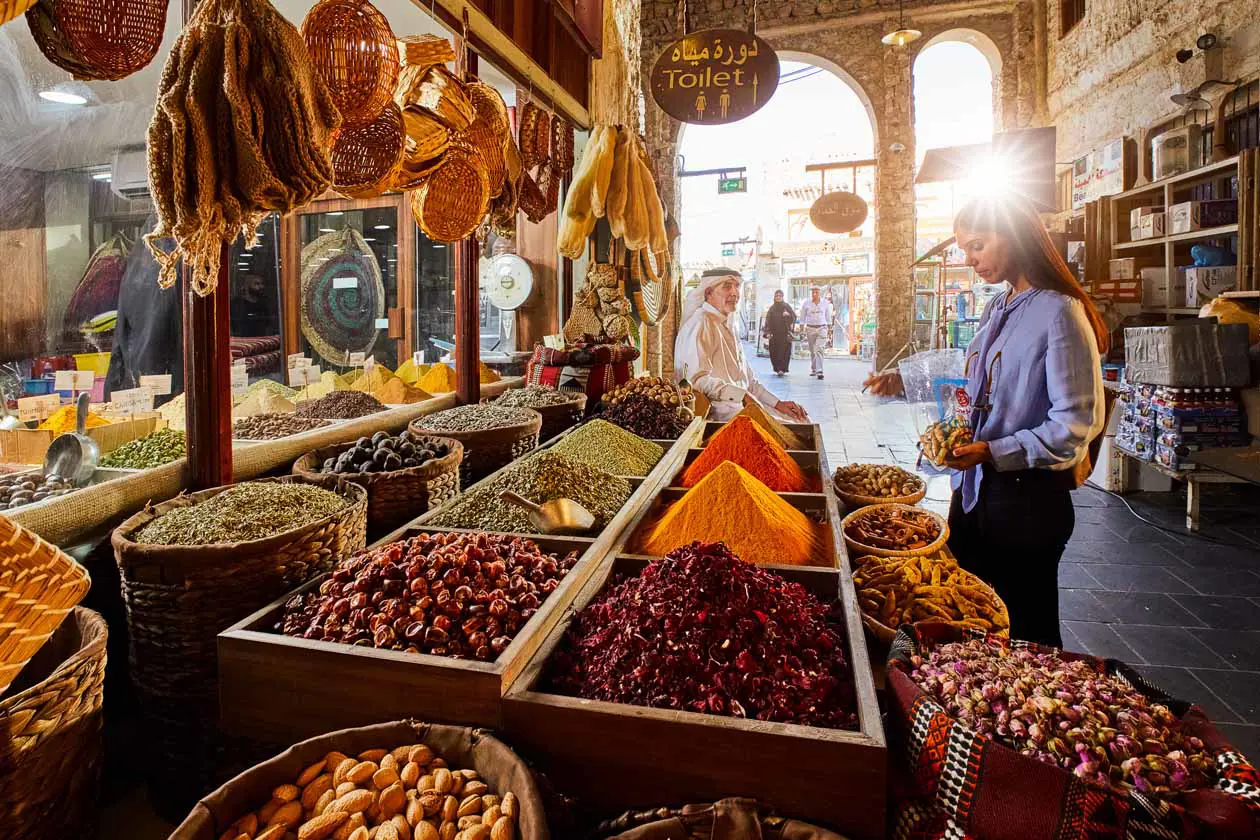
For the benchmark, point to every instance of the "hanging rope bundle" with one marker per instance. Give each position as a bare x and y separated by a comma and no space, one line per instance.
243,128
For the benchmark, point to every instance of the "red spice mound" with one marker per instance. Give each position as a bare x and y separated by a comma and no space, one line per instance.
743,442
700,630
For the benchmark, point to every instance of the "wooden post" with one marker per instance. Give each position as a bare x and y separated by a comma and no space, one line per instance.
208,381
467,304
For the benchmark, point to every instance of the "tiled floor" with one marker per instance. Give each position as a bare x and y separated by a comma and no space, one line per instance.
1183,608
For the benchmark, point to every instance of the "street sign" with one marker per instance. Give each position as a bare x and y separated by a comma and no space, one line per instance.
732,185
728,252
838,212
715,76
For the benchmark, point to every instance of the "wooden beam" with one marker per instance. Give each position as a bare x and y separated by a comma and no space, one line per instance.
208,380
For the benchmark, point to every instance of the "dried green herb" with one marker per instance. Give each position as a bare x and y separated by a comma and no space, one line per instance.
610,448
249,511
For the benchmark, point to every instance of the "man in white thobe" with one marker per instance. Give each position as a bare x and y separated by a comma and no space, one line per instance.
709,355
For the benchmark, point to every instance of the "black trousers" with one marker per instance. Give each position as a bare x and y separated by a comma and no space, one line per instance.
1013,540
780,346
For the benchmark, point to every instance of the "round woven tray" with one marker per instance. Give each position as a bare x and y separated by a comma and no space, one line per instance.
453,200
857,549
179,598
50,757
885,634
489,449
557,418
856,500
353,49
489,133
366,158
397,497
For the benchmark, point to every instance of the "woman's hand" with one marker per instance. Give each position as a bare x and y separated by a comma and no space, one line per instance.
887,385
968,455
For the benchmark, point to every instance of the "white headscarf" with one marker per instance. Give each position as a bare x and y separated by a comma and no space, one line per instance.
695,298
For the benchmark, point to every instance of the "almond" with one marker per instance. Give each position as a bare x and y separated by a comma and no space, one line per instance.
347,828
475,788
315,789
373,756
431,802
265,812
410,774
414,812
286,793
469,805
443,782
420,754
360,833
402,826
392,800
447,831
273,833
491,814
470,820
346,765
386,831
322,826
384,777
503,829
424,783
321,804
361,772
400,753
436,763
355,800
332,760
457,786
450,809
508,805
288,815
425,831
247,824
388,762
489,800
310,774
477,832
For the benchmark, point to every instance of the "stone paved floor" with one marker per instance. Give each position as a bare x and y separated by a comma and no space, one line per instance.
1183,608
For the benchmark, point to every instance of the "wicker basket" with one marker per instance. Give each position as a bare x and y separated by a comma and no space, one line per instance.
179,598
527,134
396,497
857,549
452,201
883,633
98,39
532,202
460,747
443,95
856,500
366,159
39,584
353,49
488,450
10,9
489,132
562,145
427,139
50,758
557,418
426,50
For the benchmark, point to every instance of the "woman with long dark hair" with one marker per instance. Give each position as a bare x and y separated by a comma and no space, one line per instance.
1035,383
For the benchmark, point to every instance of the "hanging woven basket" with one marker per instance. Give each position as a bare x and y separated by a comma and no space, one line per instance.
353,49
454,199
489,133
366,158
424,51
445,97
97,39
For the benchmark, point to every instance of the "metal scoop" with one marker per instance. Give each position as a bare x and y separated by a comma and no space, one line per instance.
559,516
73,456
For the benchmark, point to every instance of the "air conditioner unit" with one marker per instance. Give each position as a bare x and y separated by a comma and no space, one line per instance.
130,176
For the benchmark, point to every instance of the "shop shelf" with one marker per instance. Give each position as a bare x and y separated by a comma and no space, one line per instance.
1189,236
1182,181
287,689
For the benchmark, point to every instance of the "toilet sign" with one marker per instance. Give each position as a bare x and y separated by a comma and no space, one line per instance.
715,76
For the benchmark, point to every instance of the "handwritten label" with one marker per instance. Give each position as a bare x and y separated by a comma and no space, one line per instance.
37,408
382,323
240,380
357,359
417,358
74,380
159,384
345,282
133,400
369,364
295,359
300,377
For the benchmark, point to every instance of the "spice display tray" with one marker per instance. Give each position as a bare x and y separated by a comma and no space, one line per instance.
648,756
808,432
667,445
29,446
280,687
808,460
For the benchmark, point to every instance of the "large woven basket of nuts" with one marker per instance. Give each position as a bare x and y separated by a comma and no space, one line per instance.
389,781
860,485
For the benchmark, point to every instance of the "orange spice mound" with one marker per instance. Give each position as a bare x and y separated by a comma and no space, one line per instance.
729,505
745,443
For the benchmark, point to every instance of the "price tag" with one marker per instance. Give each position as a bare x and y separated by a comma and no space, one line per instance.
240,380
369,365
133,401
357,359
382,323
313,373
417,358
300,377
159,384
345,282
32,409
74,380
295,359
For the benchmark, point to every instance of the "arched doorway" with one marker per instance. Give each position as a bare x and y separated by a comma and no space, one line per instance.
818,116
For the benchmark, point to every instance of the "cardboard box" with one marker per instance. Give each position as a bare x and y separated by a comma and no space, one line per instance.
1129,268
1189,216
1206,282
1159,291
1138,213
1152,226
1195,353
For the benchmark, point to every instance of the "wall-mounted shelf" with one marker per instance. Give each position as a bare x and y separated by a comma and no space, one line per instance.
1189,236
1185,179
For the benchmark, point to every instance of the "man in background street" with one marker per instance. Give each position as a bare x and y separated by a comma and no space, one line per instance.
816,316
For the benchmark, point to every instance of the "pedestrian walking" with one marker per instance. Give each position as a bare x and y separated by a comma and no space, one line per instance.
816,315
777,330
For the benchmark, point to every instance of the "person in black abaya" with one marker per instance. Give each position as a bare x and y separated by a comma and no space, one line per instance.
149,338
777,329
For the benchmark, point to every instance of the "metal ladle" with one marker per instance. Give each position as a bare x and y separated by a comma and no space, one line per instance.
73,456
559,516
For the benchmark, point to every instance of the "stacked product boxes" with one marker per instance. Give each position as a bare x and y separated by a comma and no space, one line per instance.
1189,419
1135,430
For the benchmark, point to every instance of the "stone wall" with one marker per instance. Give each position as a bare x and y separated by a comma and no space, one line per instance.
843,36
1113,73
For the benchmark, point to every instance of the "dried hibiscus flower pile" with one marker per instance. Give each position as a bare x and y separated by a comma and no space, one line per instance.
701,630
1066,713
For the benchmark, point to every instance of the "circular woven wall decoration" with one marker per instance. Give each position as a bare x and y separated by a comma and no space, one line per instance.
339,317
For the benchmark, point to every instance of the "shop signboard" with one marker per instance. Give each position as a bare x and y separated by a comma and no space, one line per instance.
1097,174
807,247
838,212
715,76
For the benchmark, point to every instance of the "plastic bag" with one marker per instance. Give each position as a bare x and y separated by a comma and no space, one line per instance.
935,386
1231,312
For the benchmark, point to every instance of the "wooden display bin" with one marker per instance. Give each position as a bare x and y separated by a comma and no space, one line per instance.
284,688
616,756
28,446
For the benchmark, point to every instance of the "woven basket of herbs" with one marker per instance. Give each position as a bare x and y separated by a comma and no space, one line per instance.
490,449
50,757
894,530
394,497
180,596
557,418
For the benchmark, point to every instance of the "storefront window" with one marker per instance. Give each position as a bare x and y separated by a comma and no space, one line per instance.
435,298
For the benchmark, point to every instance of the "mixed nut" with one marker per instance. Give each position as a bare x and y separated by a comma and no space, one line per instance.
408,793
894,527
656,388
903,590
882,480
1064,712
938,440
383,452
459,595
28,488
273,426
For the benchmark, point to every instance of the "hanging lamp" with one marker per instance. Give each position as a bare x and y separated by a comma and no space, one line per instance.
903,34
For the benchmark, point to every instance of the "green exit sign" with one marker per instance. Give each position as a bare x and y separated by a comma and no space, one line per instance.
732,185
728,252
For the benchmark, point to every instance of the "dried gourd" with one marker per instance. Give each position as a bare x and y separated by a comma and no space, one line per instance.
619,183
579,220
637,222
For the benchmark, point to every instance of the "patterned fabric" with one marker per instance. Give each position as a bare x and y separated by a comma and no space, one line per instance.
964,786
594,354
262,354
